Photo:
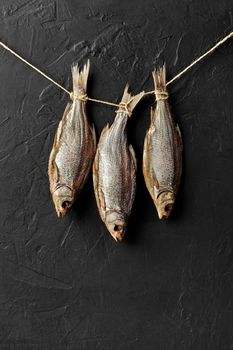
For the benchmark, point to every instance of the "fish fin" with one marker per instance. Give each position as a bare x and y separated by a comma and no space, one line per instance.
52,166
132,178
93,134
155,193
67,109
88,161
152,115
178,132
95,166
95,170
133,156
179,137
98,193
58,134
80,77
132,100
178,157
53,172
56,171
100,200
60,125
62,122
148,173
102,203
104,131
159,77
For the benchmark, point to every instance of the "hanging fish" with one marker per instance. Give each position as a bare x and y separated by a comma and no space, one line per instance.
162,156
74,147
114,170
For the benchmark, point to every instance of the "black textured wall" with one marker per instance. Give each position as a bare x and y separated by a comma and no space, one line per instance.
65,283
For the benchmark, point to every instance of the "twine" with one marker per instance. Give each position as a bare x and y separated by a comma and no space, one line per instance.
103,102
75,96
33,67
161,95
212,49
123,107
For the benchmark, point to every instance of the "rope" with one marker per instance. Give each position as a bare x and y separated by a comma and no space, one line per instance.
75,96
122,107
33,67
161,95
212,49
103,102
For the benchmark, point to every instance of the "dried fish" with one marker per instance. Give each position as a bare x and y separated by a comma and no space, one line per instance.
162,156
74,147
114,170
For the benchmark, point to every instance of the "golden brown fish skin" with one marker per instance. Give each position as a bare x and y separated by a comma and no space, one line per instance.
162,154
73,150
114,172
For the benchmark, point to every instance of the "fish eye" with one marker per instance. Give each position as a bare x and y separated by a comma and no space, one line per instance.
117,228
65,204
168,207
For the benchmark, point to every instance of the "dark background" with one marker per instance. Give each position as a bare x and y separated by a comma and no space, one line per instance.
65,283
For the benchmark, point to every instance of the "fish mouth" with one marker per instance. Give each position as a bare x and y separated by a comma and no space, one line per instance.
165,210
63,208
115,222
164,204
118,232
61,214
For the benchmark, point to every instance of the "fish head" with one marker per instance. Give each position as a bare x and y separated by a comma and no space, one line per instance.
116,224
165,203
63,199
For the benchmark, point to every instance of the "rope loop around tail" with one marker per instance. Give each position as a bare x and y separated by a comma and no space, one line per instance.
123,108
161,95
74,96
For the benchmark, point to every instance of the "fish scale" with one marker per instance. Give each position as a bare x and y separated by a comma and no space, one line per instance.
114,172
69,157
74,148
162,154
115,183
162,143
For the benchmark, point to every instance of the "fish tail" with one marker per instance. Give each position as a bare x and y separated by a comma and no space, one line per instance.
159,77
80,77
130,100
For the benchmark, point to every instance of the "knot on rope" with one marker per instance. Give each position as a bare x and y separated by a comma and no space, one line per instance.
161,95
123,108
80,97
